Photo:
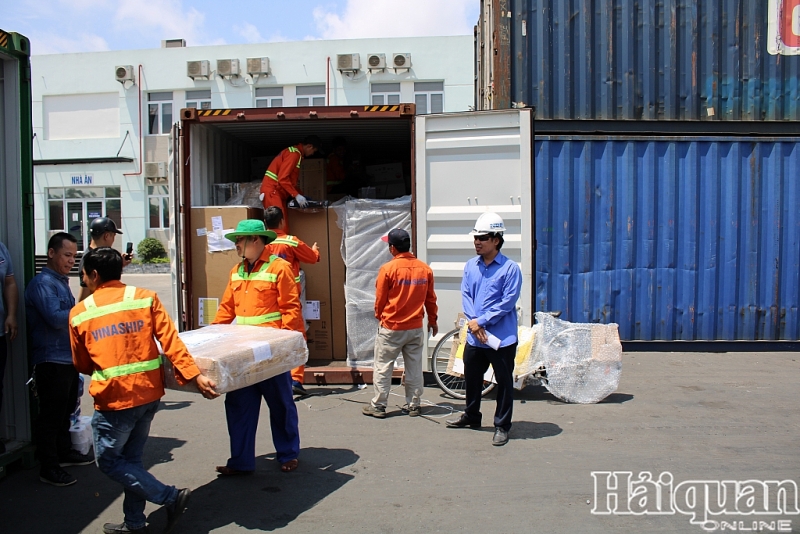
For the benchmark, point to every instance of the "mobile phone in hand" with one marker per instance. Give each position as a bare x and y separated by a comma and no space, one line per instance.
129,251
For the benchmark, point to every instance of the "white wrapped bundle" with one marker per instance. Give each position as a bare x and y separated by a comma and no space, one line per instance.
237,356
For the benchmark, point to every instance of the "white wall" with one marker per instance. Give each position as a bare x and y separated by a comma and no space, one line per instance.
81,111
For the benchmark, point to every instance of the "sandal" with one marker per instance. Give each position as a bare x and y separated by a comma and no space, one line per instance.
288,467
226,471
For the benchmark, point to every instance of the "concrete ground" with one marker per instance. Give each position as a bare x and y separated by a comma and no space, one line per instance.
697,416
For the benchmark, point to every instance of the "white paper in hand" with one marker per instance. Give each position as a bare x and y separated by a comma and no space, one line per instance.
492,341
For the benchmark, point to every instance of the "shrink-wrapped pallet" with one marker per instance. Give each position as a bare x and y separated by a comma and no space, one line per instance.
237,356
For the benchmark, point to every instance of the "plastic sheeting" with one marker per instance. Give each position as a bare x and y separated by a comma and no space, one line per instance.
364,222
583,362
237,356
246,194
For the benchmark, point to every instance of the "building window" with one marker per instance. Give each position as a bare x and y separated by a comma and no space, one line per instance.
310,95
429,97
158,203
72,209
269,97
159,110
385,93
200,99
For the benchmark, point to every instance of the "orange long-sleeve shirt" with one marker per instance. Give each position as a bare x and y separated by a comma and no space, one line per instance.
251,298
283,173
113,339
291,249
404,286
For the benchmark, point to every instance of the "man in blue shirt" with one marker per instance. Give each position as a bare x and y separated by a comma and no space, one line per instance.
489,293
8,315
48,301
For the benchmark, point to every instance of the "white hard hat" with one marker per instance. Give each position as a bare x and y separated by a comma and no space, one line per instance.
488,223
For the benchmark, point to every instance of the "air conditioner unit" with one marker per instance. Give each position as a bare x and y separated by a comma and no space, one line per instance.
257,66
348,62
155,169
198,69
376,61
401,61
125,73
227,67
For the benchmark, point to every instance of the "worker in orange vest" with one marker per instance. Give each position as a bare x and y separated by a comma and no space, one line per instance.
280,180
261,291
113,335
293,250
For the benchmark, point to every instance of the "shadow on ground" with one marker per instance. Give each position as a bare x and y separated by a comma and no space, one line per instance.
34,506
268,499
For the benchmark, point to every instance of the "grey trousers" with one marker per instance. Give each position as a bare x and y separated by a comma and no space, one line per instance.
388,346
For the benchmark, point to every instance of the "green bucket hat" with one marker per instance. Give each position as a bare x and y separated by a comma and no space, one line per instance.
250,227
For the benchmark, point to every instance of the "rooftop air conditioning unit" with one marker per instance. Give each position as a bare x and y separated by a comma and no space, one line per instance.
227,67
401,61
376,61
125,73
198,69
155,169
258,66
348,62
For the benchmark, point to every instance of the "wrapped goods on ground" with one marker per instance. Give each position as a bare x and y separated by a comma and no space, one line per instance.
237,356
583,361
80,433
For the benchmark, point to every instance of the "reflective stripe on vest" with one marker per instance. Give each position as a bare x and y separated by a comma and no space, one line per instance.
272,175
288,240
293,149
128,303
259,319
297,279
127,369
262,276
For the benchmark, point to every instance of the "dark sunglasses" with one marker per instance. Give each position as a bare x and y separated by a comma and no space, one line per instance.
484,237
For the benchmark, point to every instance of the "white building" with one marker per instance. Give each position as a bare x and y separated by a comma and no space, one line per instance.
97,126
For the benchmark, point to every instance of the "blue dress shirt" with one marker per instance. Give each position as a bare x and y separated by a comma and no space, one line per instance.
489,293
48,300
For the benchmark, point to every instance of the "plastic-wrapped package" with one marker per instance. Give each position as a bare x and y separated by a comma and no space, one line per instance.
237,356
246,195
80,434
583,361
364,222
525,362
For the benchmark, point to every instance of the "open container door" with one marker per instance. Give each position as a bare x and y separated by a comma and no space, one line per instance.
466,164
176,223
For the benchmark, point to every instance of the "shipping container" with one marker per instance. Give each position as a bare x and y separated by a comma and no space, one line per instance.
16,232
689,60
459,165
671,238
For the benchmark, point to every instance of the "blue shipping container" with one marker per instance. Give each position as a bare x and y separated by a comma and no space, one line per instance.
686,239
653,59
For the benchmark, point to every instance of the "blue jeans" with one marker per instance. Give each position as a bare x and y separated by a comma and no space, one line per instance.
119,438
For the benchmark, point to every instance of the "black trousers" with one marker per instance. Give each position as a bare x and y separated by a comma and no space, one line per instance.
476,362
57,390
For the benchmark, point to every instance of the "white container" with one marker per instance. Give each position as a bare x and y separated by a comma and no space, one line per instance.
81,434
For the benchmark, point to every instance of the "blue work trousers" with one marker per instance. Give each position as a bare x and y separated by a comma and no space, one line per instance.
242,408
119,438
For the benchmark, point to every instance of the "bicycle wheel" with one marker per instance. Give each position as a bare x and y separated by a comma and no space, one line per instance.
451,382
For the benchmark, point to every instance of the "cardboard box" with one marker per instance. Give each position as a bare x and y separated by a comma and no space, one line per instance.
337,287
311,228
211,270
312,179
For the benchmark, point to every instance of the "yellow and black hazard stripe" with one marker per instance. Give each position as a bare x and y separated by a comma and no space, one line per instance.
213,112
4,39
381,108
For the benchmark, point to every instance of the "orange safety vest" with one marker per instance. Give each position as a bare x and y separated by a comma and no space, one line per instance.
112,333
283,173
292,250
403,287
265,296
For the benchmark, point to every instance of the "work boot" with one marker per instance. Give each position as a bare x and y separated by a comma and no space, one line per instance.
375,411
177,508
297,388
462,422
122,528
500,437
57,477
411,411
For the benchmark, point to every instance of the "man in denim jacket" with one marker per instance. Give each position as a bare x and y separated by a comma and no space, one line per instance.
48,301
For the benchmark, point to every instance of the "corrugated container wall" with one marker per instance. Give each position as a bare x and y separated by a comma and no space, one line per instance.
696,60
691,239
